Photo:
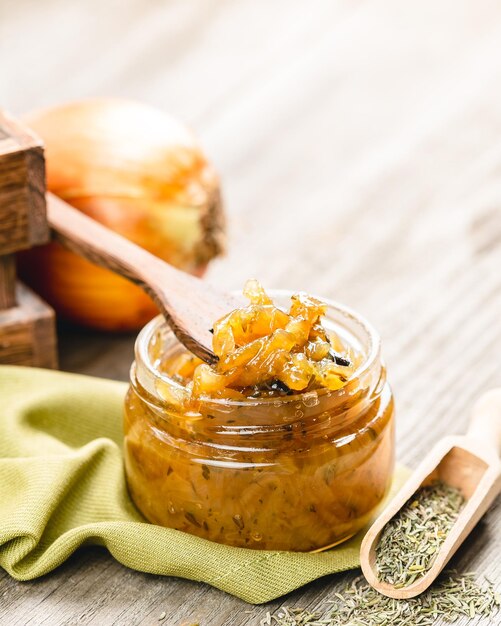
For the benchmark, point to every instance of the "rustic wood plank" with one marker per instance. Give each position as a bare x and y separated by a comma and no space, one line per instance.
7,281
27,327
27,331
357,147
22,187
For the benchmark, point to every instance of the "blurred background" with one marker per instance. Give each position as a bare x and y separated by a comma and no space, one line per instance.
357,144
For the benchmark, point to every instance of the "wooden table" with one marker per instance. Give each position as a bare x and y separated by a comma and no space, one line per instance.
360,148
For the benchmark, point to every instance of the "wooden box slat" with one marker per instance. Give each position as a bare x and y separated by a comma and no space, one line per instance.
7,281
23,222
27,324
27,331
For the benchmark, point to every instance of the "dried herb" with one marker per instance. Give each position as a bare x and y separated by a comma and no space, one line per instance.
192,519
410,541
452,596
239,522
275,385
338,359
278,385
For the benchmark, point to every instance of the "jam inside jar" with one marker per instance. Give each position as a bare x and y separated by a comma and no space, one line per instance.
300,472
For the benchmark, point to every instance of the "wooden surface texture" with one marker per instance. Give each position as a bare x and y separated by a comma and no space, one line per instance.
359,145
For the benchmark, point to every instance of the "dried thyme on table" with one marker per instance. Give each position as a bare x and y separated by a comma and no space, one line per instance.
452,596
410,541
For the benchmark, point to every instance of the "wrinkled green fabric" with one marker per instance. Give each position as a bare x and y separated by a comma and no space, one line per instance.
62,485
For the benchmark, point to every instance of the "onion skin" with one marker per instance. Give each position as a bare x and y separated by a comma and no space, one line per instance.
142,174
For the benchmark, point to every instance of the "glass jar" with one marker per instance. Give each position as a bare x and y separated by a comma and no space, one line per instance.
301,472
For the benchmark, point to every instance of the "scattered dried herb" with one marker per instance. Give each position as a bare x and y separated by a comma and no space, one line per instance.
410,541
452,596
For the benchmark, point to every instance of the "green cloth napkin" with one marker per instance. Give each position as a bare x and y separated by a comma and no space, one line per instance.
62,485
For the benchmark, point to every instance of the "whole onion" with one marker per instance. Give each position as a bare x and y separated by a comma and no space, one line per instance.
141,173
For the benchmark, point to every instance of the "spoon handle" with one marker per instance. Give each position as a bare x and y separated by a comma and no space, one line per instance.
99,244
485,423
189,305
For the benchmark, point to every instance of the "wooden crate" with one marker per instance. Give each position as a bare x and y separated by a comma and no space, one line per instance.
27,323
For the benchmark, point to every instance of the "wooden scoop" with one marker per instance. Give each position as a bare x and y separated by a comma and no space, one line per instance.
472,464
189,305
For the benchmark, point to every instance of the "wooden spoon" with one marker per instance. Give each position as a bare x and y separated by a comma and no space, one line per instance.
468,462
189,305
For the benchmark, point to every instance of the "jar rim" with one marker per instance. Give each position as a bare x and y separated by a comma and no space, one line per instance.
372,354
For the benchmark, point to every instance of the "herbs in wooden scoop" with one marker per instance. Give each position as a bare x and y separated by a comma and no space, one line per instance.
411,540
